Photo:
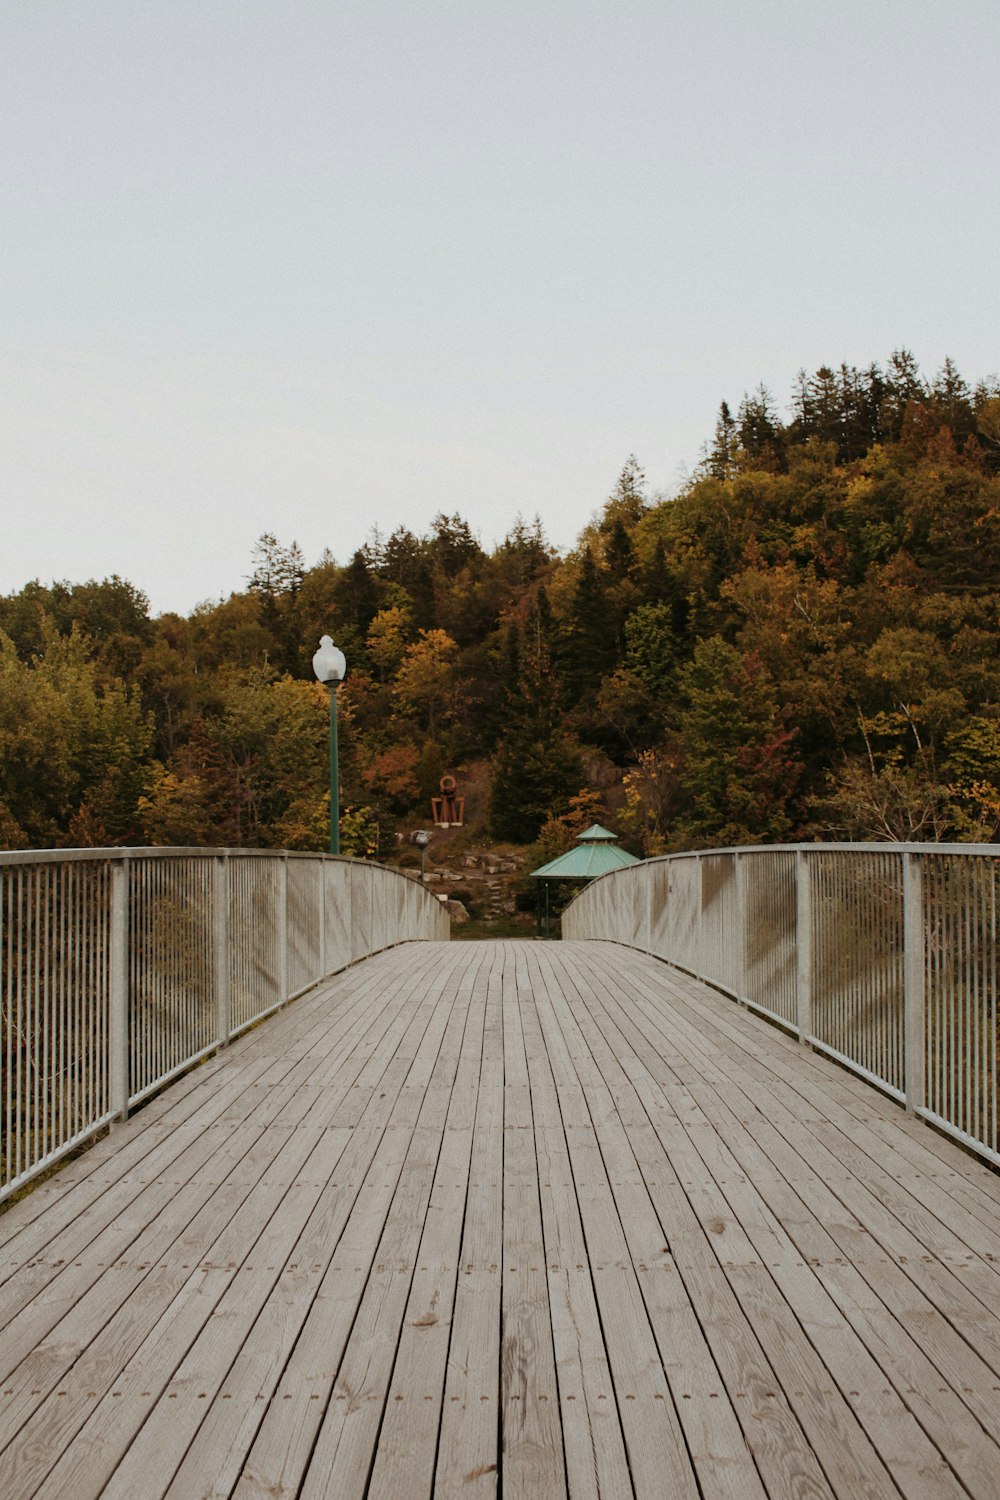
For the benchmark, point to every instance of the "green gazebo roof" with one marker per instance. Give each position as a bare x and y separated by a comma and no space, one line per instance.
596,853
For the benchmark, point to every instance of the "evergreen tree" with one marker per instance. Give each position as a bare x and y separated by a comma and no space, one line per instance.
589,645
758,428
619,555
720,461
357,593
452,545
536,766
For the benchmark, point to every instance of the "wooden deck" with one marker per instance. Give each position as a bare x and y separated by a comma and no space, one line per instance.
538,1220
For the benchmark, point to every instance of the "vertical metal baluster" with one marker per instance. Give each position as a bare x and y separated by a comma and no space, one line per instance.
119,990
993,1020
283,924
220,949
968,991
7,1027
320,879
739,874
803,945
982,1003
59,965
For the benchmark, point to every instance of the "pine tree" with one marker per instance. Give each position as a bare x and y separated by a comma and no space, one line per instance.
536,767
758,427
720,460
589,647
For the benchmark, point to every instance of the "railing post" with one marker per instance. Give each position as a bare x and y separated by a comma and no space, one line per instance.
700,967
220,947
118,997
741,930
283,926
321,879
803,945
914,995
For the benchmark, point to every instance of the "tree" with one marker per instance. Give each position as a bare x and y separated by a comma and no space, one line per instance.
452,545
759,432
721,458
589,646
739,768
357,594
628,498
278,571
388,635
74,749
425,682
523,554
536,765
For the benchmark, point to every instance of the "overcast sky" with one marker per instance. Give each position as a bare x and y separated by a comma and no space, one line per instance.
309,266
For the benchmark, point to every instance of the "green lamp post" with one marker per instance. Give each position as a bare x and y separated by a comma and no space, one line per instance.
421,838
330,664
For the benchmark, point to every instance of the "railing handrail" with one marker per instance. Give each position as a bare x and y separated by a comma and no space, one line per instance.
858,846
883,955
170,851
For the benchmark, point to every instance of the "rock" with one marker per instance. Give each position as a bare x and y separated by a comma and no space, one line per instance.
456,911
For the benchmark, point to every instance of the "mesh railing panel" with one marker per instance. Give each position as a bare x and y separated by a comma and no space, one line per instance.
54,1010
858,959
256,957
305,918
721,939
961,896
769,916
172,1015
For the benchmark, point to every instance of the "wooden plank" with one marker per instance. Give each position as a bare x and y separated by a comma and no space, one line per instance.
284,1443
632,1234
703,1217
192,1301
224,1420
468,1449
780,1292
597,1464
532,1453
345,1445
407,1442
918,1473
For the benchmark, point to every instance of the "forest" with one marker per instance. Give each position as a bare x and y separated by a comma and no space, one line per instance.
801,643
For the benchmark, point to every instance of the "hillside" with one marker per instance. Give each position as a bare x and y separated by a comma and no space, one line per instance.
803,642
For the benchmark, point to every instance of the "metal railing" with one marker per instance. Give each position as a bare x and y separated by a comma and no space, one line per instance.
884,956
121,968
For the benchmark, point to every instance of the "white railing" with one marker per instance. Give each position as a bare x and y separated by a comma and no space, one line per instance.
884,956
120,968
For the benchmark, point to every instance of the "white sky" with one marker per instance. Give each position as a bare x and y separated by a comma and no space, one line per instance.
307,266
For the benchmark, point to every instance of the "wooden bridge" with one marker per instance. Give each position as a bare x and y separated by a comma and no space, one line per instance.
507,1219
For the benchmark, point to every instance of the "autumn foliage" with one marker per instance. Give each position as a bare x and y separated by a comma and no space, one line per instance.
802,642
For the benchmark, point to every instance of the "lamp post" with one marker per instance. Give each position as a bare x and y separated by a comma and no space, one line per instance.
421,839
330,664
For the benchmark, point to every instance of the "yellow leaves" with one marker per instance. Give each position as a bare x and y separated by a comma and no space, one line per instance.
387,639
426,673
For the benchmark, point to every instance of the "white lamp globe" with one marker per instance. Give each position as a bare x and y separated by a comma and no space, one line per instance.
329,663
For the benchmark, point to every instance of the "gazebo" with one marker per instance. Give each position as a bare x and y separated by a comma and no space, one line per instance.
595,853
